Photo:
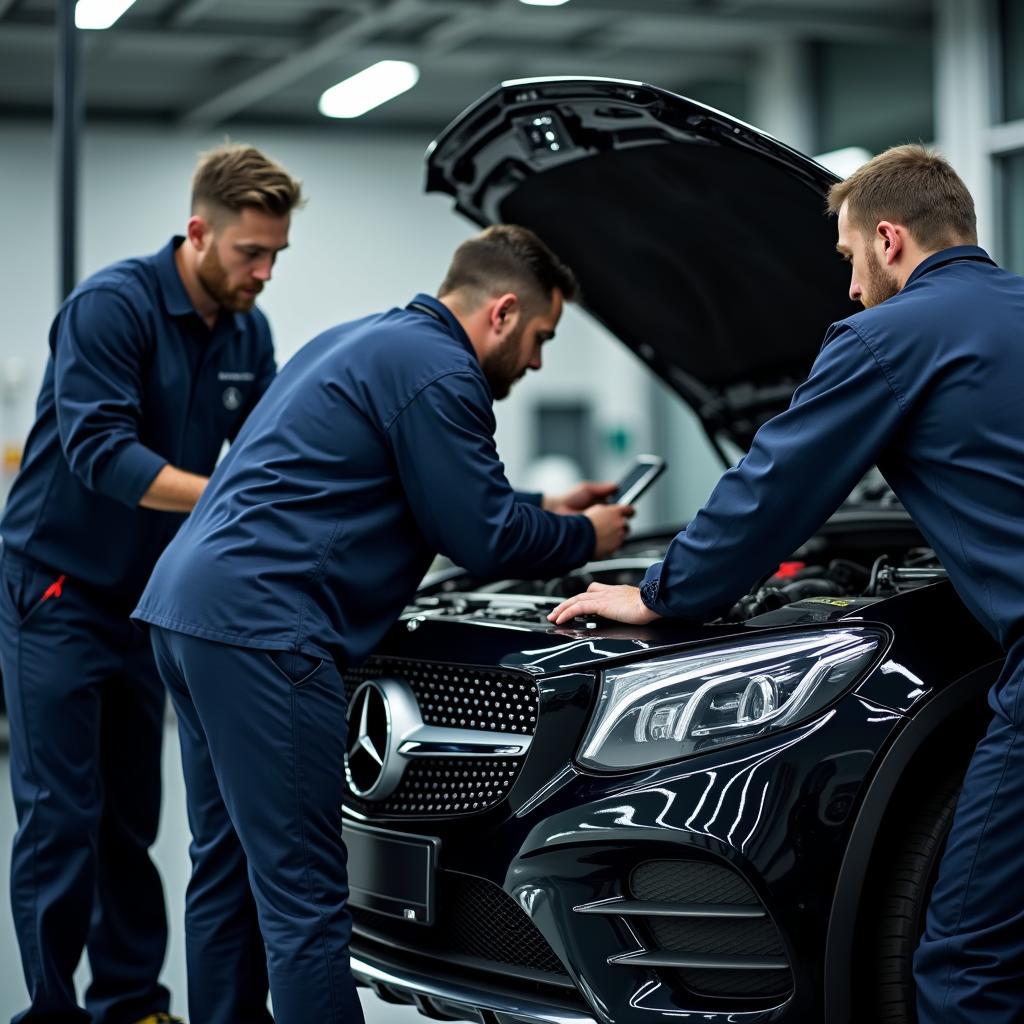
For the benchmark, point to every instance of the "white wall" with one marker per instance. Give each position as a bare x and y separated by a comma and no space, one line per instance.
369,239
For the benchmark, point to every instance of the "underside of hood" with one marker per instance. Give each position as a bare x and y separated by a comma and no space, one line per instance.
699,241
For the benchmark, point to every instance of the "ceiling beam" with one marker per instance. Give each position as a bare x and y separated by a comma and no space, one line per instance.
327,44
189,11
805,23
450,34
152,33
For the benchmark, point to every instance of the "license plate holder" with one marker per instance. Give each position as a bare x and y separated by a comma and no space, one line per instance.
392,873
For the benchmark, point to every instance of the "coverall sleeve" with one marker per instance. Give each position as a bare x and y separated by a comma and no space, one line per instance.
530,497
801,465
443,442
99,350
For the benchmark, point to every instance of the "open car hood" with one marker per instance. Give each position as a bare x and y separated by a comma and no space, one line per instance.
699,241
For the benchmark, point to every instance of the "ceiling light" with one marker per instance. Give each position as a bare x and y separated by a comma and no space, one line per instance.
99,13
369,88
544,3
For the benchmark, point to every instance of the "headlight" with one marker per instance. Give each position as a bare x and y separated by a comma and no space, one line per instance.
666,709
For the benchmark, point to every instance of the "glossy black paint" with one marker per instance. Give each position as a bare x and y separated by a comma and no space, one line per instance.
780,809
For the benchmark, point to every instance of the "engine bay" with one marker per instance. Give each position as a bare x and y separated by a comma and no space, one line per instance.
854,562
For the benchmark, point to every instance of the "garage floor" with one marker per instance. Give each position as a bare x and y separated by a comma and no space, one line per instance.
172,858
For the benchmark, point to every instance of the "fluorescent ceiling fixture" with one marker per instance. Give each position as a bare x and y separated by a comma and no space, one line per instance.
99,13
544,3
369,88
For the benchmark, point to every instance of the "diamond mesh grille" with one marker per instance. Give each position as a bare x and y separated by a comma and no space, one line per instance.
445,786
453,696
475,920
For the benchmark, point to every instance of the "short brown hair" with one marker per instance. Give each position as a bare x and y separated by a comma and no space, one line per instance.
235,176
913,186
507,258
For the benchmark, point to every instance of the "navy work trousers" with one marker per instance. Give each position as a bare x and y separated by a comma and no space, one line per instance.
263,748
85,706
969,967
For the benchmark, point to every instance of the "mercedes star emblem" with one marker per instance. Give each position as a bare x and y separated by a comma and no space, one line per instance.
369,723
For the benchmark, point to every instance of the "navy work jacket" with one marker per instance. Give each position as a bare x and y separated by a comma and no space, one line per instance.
927,385
372,450
135,380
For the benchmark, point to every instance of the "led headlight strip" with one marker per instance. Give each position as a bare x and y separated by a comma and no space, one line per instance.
671,707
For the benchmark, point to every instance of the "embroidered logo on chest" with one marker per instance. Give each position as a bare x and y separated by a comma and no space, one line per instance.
232,399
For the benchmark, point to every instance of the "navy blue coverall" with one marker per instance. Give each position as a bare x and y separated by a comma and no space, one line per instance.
372,450
135,380
927,385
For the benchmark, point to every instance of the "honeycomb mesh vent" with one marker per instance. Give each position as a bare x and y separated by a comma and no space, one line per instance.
717,936
691,883
476,920
674,881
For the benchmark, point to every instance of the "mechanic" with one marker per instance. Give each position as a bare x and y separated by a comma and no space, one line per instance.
154,363
372,450
925,382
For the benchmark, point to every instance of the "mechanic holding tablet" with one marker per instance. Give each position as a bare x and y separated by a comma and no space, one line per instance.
925,382
371,451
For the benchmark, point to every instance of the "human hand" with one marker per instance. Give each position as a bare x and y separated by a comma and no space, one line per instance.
581,497
611,525
621,604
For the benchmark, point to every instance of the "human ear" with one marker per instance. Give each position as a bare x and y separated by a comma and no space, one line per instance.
505,313
892,240
199,231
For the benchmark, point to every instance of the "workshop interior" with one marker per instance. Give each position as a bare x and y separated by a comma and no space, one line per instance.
733,817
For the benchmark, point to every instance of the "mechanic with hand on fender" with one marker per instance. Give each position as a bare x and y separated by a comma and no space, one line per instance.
154,363
925,382
372,451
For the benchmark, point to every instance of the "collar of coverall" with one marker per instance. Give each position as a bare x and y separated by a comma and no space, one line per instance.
176,300
437,310
956,253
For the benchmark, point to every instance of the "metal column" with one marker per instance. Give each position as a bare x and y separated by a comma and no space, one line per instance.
67,119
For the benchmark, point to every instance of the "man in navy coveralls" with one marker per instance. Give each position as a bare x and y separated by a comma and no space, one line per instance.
925,382
154,363
372,450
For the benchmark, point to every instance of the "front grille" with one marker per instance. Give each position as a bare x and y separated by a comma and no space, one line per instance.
452,696
476,921
691,884
444,786
465,698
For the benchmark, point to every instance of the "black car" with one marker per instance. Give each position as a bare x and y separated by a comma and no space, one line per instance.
738,821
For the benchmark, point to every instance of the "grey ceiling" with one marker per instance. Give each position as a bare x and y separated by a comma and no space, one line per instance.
204,62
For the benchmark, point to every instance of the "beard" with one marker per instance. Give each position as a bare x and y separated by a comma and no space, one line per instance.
501,366
880,284
214,279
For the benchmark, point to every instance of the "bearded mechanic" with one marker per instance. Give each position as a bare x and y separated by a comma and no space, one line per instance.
154,363
372,450
925,382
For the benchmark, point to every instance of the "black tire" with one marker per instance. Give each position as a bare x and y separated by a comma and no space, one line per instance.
909,868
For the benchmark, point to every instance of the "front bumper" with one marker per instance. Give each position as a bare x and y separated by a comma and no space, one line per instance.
442,999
